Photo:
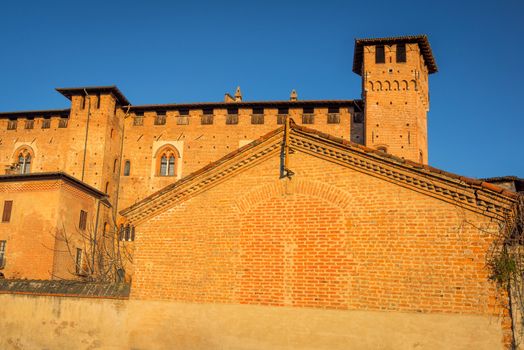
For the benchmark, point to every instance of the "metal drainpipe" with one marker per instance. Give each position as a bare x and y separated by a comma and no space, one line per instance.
87,132
95,234
126,115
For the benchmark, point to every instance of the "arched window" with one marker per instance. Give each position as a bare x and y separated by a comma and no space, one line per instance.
167,159
24,161
127,233
171,166
115,163
382,149
121,232
107,187
127,168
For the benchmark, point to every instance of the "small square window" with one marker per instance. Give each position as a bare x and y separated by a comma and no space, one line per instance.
11,124
29,124
358,118
232,116
182,120
63,122
160,118
46,123
138,119
206,119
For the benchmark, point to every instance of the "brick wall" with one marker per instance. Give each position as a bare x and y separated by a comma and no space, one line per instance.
397,101
201,144
41,212
330,238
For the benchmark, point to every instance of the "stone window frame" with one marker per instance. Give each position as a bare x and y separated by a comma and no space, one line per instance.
166,160
23,158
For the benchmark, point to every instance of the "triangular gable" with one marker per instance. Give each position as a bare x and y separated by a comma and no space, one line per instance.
476,195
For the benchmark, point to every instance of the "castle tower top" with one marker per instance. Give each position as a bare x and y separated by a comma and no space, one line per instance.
421,40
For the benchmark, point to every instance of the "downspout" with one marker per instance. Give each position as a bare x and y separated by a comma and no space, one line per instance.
94,245
87,133
126,115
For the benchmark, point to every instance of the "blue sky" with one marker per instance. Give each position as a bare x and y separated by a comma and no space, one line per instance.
169,51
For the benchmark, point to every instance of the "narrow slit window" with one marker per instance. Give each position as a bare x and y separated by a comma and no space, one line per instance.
8,207
401,53
78,261
127,168
2,253
82,224
380,54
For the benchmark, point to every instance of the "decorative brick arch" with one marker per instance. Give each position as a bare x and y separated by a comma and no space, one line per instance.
320,190
293,241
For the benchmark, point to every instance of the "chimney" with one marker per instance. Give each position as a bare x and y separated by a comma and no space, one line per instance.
238,95
293,96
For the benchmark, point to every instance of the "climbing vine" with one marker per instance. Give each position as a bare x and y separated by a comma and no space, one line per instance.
505,261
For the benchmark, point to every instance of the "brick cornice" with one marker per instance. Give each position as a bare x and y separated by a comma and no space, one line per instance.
478,196
418,178
183,189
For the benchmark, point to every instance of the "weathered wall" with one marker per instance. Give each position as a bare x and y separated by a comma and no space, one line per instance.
38,322
201,144
331,238
41,212
397,102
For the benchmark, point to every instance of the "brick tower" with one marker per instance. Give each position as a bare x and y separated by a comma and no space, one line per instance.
394,75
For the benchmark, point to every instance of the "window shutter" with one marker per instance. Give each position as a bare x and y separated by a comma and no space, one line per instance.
8,206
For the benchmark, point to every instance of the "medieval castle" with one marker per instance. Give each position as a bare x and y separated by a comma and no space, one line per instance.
320,204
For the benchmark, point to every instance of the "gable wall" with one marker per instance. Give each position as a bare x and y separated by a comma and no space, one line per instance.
200,144
330,238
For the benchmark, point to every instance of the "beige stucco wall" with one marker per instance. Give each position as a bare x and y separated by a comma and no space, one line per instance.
38,322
